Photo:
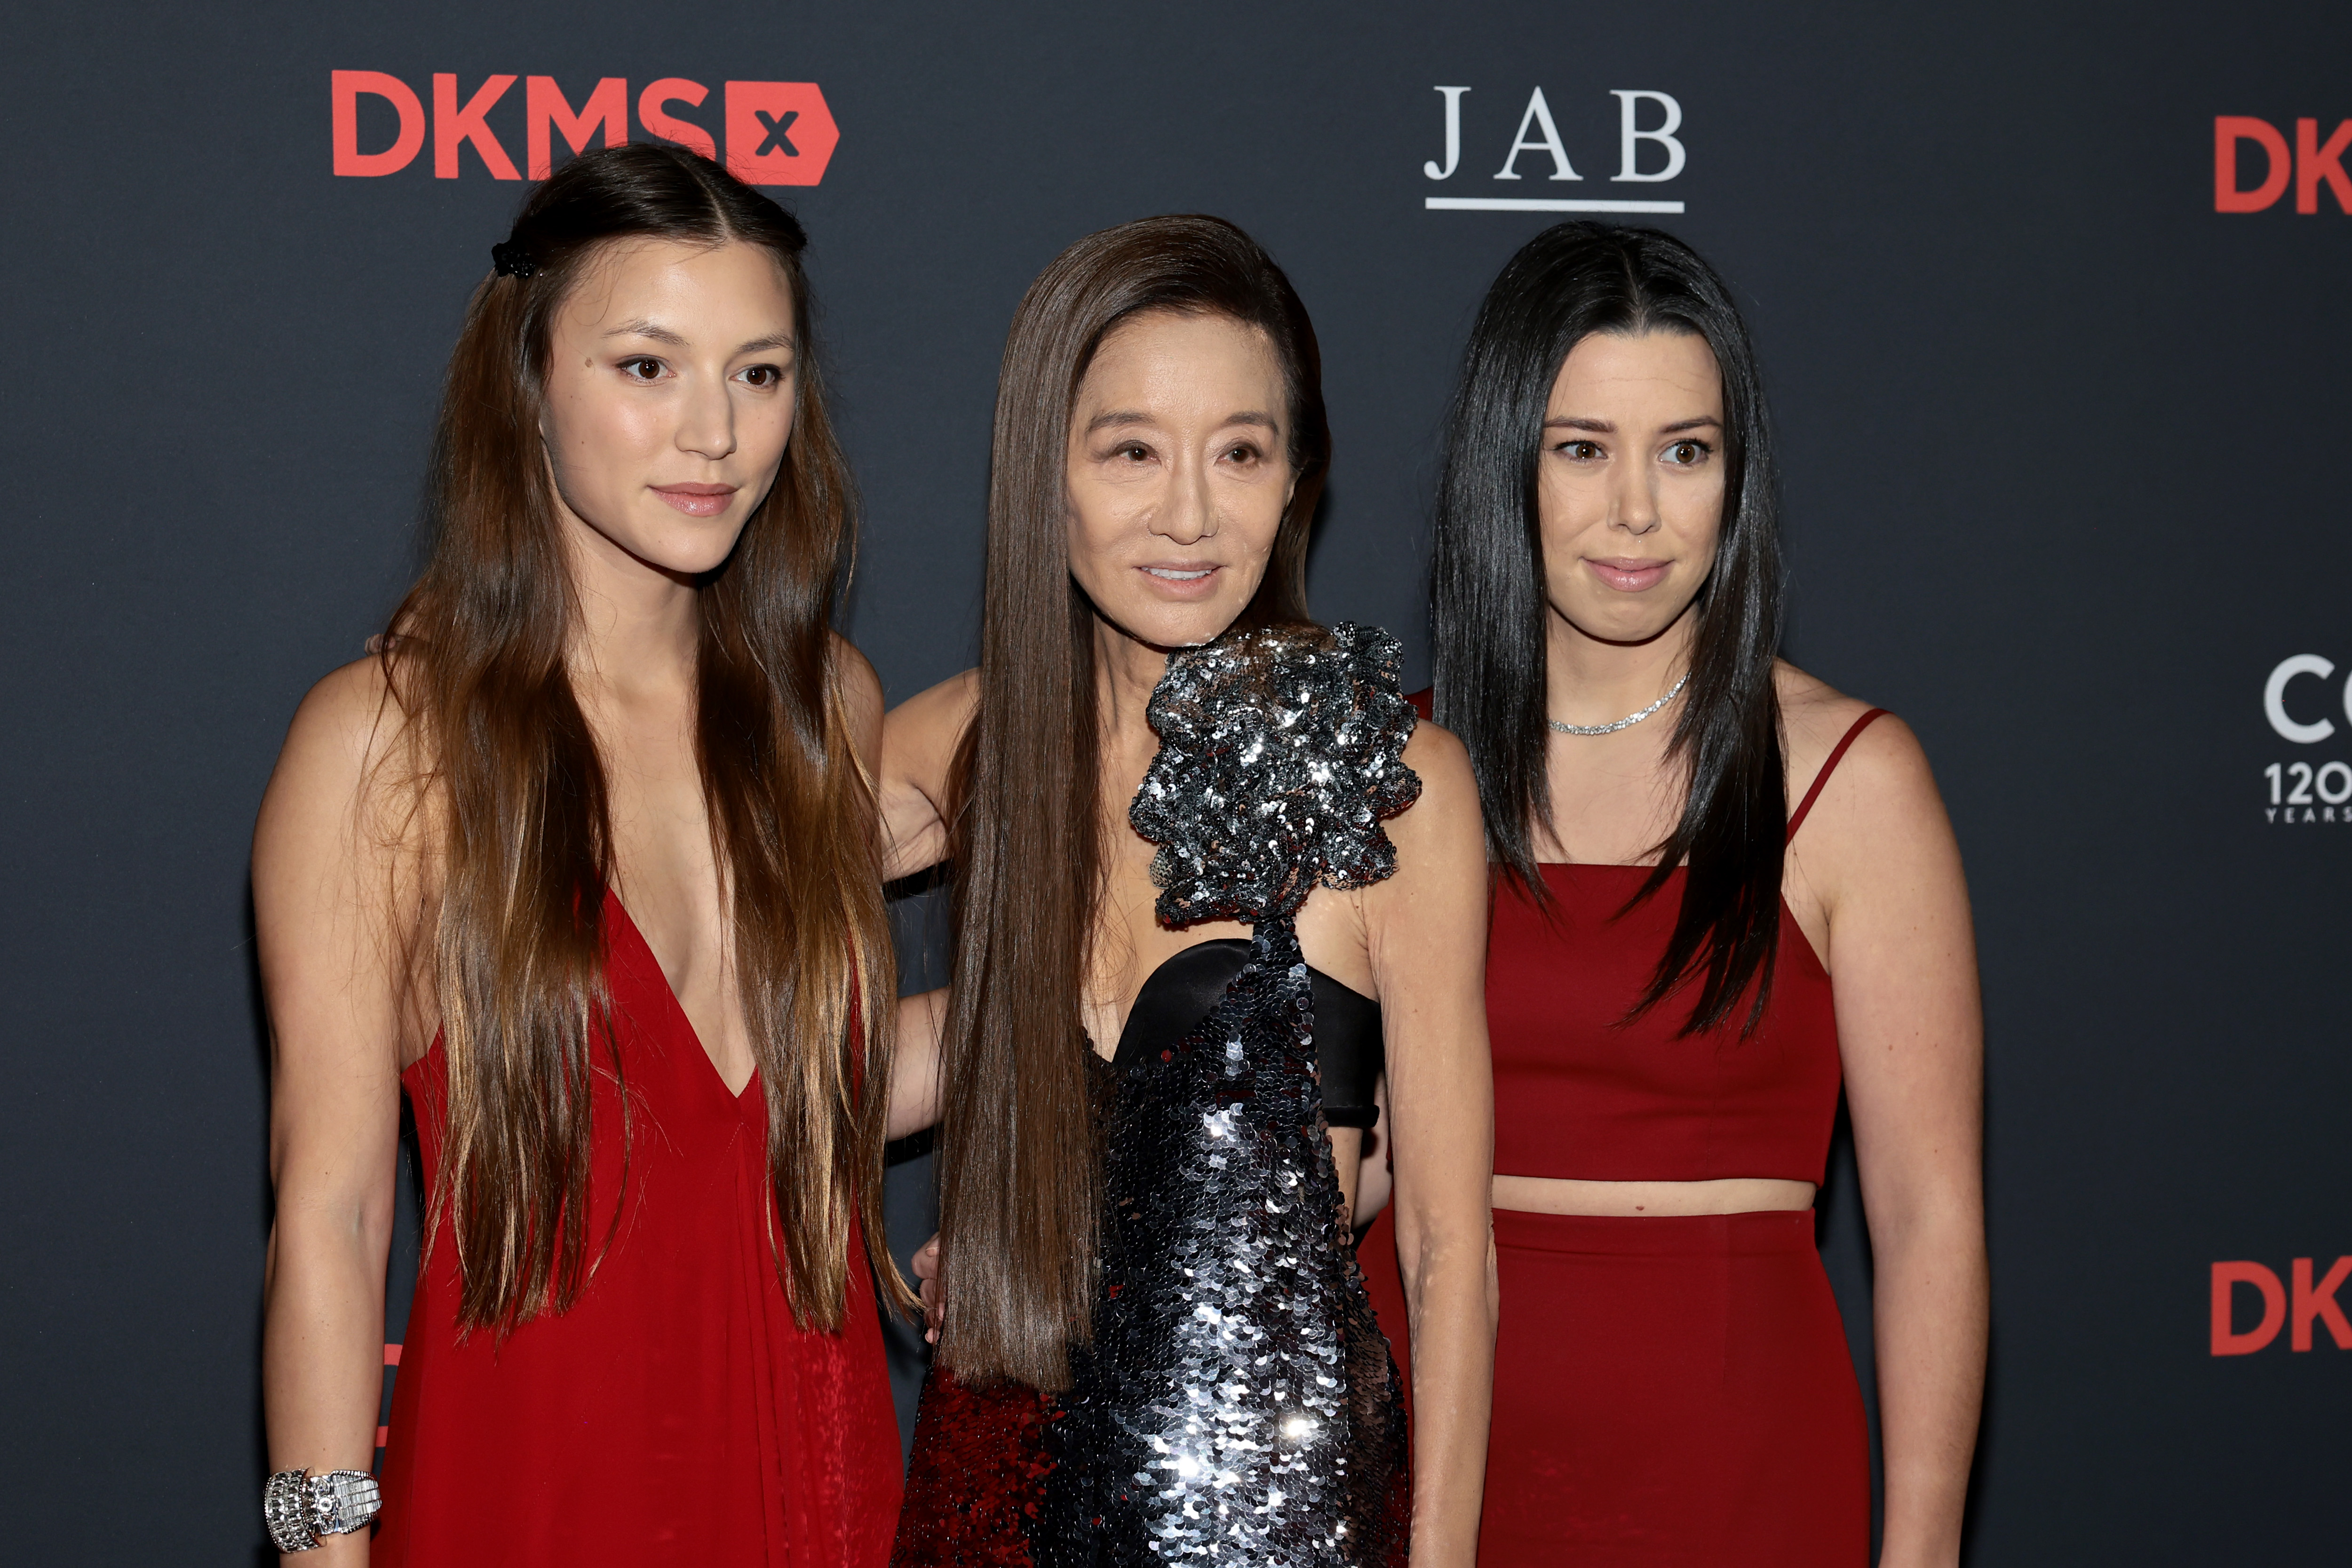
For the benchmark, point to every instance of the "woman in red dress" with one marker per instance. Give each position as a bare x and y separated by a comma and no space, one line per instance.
1672,1385
583,859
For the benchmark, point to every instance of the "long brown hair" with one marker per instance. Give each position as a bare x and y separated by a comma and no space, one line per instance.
476,657
1019,1172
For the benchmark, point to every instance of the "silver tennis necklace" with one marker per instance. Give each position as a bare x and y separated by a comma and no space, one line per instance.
1624,723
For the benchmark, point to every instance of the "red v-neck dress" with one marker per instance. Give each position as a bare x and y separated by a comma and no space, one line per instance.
1670,1391
674,1415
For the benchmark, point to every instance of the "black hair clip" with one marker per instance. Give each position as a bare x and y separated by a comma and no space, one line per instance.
511,261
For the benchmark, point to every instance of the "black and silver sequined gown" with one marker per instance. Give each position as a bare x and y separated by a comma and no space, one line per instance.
1237,1404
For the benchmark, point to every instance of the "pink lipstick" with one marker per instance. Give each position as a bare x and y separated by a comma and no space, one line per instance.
697,500
1628,575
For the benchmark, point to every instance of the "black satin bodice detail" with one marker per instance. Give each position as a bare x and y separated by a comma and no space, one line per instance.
1350,1052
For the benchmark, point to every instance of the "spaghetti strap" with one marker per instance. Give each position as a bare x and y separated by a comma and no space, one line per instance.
1837,755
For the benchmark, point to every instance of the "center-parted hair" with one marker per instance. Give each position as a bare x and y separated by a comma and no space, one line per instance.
1489,612
476,658
1019,1172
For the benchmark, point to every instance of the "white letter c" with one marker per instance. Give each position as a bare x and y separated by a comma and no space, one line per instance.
2275,698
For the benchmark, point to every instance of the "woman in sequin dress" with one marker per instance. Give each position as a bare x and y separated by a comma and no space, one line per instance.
1207,869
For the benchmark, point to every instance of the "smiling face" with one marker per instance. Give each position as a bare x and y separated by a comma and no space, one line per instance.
1179,474
668,399
1630,482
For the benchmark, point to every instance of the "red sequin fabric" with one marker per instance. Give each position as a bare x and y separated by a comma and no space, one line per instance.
977,1476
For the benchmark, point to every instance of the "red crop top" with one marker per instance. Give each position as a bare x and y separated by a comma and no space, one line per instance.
1581,1095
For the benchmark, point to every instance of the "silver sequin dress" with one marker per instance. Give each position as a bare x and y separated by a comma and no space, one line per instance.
1237,1404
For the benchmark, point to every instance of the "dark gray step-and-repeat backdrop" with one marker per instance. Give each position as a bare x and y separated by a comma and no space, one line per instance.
2054,305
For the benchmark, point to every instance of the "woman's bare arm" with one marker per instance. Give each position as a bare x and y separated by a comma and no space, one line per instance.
917,742
915,1067
1879,848
915,1043
919,739
1426,933
861,698
1374,1182
328,868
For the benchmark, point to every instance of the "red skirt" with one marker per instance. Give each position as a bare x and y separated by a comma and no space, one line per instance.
1673,1391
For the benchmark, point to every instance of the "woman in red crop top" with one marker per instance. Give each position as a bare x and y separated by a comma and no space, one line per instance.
1672,1382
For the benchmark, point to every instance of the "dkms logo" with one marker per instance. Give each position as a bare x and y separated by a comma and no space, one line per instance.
2313,1300
777,132
2312,164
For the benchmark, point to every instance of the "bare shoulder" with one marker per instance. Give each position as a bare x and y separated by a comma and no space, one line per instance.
854,672
1445,816
861,694
1443,764
1425,926
950,702
919,738
1882,785
344,779
921,733
346,725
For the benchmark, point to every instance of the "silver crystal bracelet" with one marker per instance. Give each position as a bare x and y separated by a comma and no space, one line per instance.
298,1507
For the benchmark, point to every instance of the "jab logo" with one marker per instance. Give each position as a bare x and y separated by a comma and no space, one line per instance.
2312,162
777,132
2311,1303
1650,151
2295,701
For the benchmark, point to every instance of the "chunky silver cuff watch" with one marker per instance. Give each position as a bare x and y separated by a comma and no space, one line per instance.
298,1507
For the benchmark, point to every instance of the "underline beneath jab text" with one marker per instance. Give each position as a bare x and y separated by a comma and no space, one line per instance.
1541,205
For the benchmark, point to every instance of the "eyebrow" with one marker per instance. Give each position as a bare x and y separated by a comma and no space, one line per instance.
641,328
661,334
1602,427
1135,416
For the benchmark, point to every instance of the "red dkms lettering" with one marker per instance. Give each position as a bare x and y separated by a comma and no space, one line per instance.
2313,1302
2312,164
777,133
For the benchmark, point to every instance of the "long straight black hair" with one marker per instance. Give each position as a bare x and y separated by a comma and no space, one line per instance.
1488,611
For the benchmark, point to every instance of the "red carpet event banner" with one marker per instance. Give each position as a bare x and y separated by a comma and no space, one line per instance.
2052,303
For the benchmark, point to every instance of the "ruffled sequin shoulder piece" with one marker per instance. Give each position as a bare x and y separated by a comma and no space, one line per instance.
1281,753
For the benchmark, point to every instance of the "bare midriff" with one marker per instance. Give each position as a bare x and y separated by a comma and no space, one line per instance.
1732,1195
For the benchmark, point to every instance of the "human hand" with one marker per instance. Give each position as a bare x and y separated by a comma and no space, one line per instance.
927,1274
